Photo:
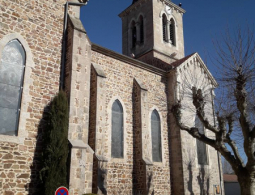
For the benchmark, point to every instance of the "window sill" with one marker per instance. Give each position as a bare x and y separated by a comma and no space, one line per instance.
117,160
12,139
158,164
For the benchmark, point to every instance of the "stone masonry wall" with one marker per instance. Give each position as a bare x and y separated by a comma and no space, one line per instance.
39,25
197,179
119,85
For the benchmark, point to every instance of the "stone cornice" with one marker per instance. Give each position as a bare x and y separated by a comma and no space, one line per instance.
174,5
196,55
77,24
99,70
140,84
207,71
127,59
155,50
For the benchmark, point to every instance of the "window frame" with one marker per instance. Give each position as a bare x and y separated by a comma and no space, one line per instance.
133,38
163,162
164,28
109,124
168,19
172,24
142,35
20,87
122,129
25,97
160,144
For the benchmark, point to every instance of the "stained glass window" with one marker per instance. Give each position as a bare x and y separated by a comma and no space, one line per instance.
156,137
12,67
201,147
117,130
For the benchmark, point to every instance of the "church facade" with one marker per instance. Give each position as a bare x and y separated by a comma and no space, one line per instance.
122,134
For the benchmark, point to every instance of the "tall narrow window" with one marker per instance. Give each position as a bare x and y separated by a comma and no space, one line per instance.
117,130
12,68
172,32
201,147
164,30
141,30
156,137
134,38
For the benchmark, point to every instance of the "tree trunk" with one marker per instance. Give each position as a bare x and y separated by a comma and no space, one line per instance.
247,184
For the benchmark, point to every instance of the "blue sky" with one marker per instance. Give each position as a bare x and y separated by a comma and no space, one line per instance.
204,21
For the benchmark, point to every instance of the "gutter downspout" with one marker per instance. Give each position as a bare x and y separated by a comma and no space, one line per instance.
63,56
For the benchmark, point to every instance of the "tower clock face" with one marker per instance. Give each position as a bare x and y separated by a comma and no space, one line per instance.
168,10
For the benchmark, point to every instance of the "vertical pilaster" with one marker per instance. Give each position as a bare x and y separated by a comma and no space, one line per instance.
175,145
77,82
142,141
98,136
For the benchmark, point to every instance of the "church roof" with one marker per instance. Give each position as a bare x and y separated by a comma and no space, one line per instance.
180,61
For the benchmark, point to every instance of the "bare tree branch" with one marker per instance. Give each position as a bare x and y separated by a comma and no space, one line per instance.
217,144
234,135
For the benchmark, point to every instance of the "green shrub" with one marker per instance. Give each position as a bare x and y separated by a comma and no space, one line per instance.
55,146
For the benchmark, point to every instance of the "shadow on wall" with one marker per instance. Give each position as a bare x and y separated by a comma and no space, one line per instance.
137,155
102,172
203,178
190,186
35,186
150,183
49,169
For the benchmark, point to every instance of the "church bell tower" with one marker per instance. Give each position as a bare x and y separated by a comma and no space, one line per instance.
153,29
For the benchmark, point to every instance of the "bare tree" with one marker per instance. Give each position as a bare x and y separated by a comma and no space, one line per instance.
235,108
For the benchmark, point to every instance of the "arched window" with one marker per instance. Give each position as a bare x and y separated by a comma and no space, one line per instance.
164,23
12,68
172,32
134,38
156,137
117,130
141,30
201,147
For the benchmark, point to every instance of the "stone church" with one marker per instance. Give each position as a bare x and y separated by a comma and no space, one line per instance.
123,137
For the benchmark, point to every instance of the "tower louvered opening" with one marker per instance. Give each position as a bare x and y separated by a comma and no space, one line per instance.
141,30
164,22
172,32
134,38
